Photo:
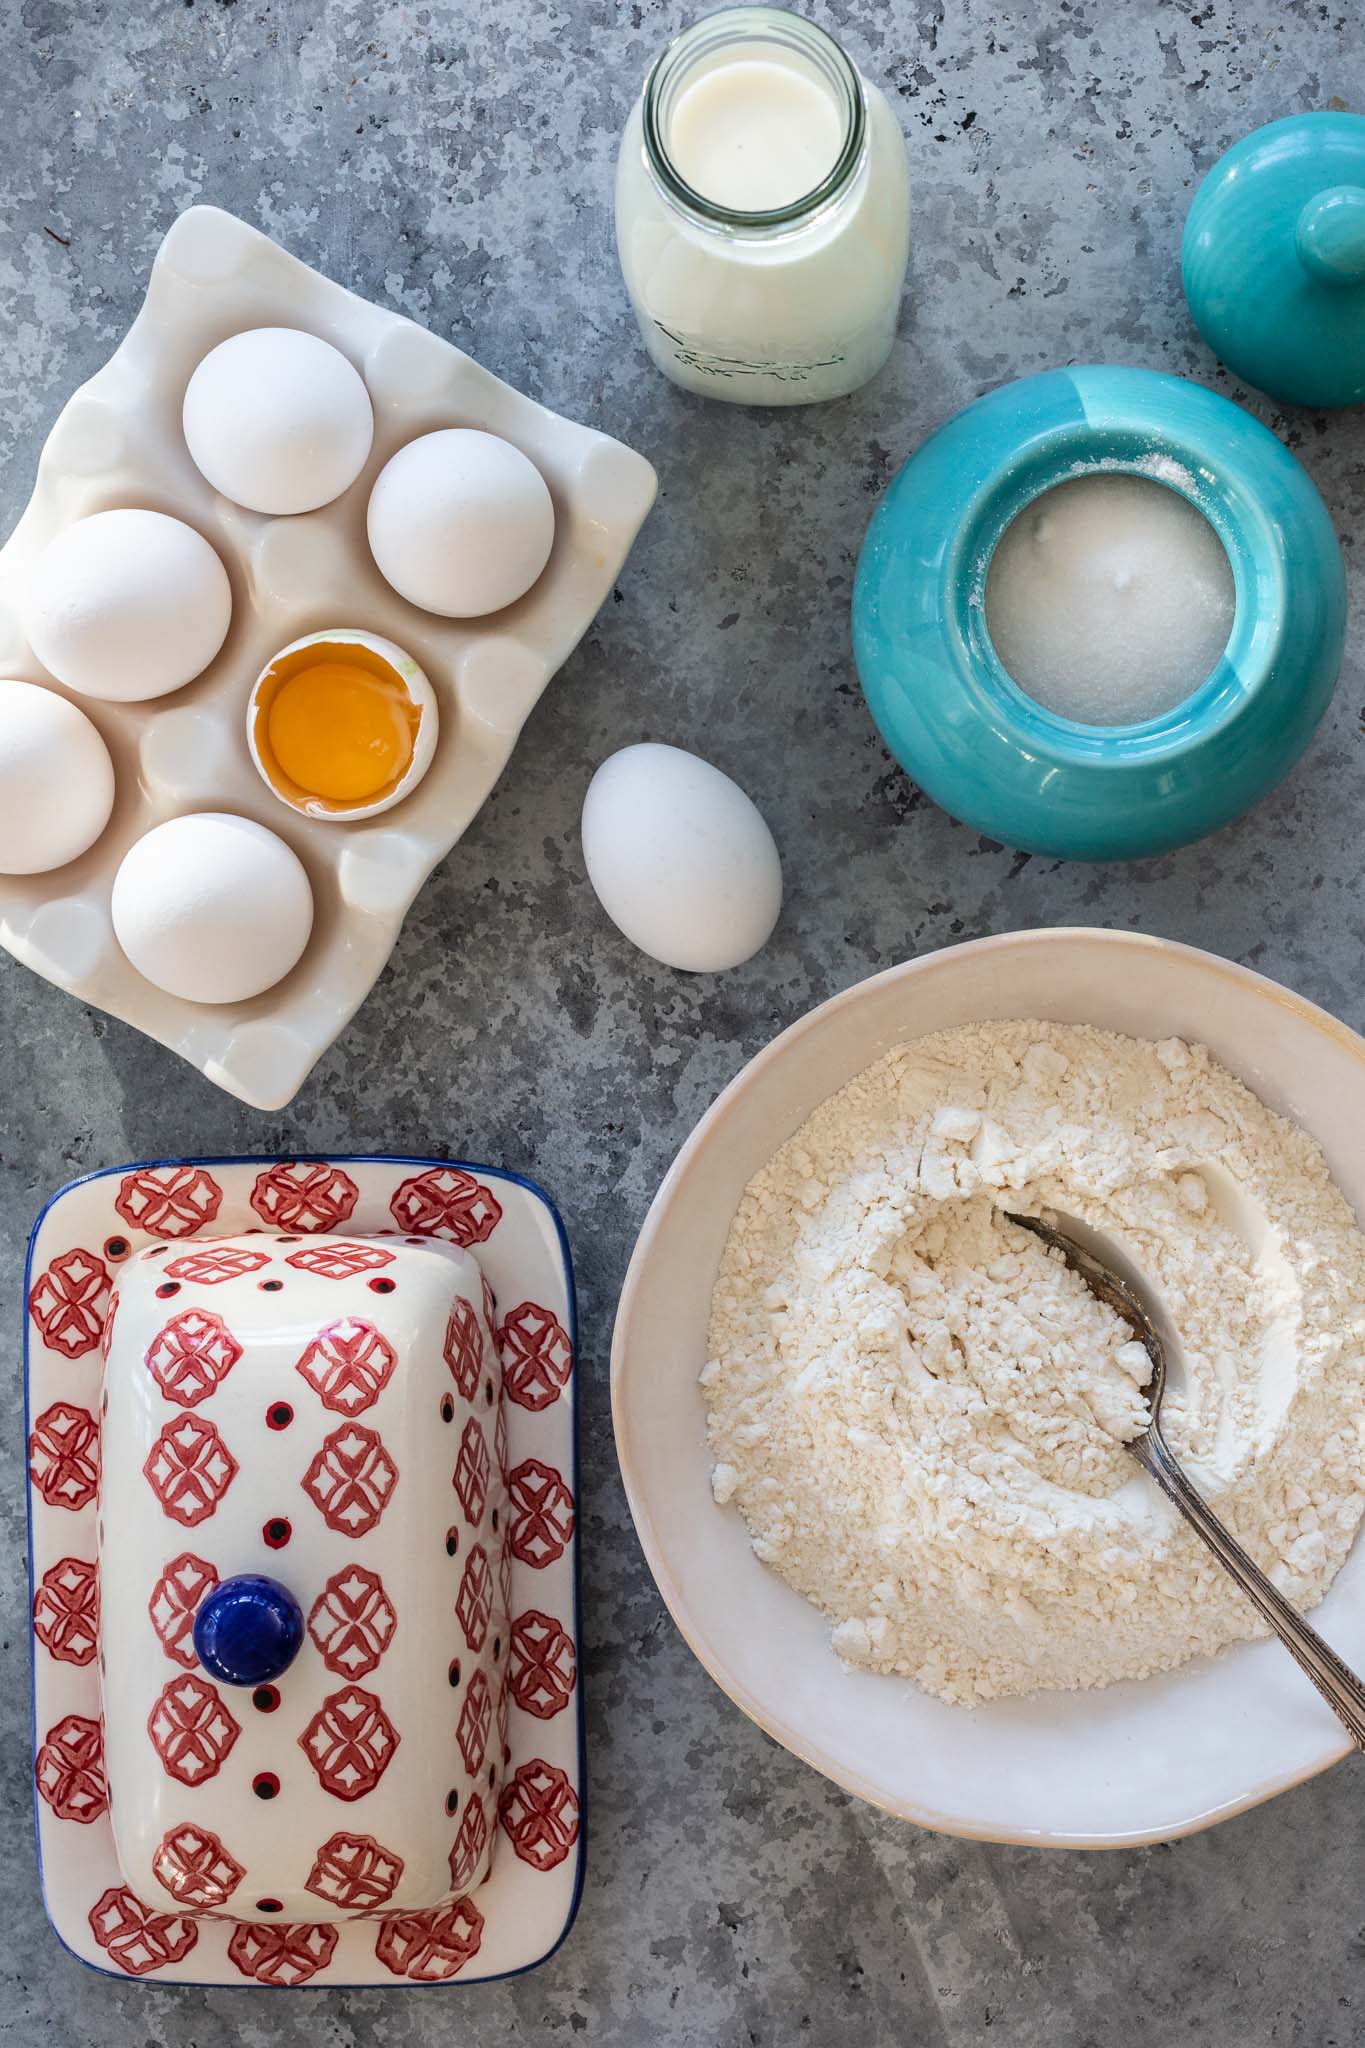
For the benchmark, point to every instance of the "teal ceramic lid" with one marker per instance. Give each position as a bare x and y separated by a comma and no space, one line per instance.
1273,259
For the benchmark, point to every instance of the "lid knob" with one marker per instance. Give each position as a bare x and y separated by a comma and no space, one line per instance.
1330,235
248,1630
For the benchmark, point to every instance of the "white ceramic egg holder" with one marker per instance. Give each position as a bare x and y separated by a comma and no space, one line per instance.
118,442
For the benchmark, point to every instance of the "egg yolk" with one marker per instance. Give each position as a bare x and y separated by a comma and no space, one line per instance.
341,730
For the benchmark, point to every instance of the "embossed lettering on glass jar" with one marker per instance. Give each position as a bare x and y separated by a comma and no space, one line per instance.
747,287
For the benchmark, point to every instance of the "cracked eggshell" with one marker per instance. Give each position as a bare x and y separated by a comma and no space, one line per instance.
420,695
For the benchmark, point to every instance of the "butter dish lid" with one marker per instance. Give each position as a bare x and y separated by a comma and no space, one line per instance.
304,1585
1273,259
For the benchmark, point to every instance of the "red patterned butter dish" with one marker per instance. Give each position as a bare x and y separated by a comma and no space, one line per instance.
302,1460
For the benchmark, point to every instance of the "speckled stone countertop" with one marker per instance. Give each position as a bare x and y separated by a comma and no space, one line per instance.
455,161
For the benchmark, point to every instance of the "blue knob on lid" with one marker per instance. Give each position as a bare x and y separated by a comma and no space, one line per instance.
1330,235
1273,259
248,1630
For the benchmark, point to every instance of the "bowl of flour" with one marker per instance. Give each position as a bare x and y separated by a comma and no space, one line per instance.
873,1433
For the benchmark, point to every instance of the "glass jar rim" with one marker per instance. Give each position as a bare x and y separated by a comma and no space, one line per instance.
753,24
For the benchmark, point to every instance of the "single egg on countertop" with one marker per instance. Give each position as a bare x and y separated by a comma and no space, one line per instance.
461,523
127,605
56,780
342,724
212,908
681,859
278,420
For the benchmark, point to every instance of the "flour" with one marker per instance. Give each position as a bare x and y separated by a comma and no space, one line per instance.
921,1413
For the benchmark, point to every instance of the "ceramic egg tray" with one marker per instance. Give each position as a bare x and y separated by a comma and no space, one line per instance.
118,442
525,1908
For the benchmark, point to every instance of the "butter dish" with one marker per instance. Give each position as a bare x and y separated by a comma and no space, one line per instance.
302,1522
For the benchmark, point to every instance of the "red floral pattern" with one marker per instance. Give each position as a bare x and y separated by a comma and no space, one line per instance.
476,1715
348,1365
470,1839
537,1356
64,1455
354,1872
191,1730
69,1769
66,1611
473,1468
446,1202
474,1601
69,1301
211,1264
191,1357
539,1812
504,1715
175,1601
543,1668
352,1622
351,1480
192,1864
305,1195
273,1953
107,1334
542,1514
335,1261
189,1468
350,1742
168,1201
429,1948
464,1347
137,1937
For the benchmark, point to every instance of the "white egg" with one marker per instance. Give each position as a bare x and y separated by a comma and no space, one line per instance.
680,858
212,907
127,605
278,420
56,780
461,523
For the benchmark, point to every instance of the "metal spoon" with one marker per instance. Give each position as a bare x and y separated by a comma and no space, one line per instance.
1339,1686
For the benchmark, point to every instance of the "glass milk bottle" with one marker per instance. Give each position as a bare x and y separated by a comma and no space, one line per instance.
763,212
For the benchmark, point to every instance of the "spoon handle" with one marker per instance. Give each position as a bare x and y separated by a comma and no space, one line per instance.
1339,1686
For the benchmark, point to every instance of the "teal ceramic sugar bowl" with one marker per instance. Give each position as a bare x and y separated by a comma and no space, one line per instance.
997,758
1273,259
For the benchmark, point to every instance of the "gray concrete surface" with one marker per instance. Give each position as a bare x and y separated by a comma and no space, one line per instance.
455,160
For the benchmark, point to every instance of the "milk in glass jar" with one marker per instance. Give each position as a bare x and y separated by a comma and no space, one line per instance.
763,212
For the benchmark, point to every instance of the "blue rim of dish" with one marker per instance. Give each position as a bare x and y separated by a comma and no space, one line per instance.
571,1294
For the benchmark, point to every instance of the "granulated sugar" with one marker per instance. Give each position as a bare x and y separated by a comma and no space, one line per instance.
1110,598
920,1412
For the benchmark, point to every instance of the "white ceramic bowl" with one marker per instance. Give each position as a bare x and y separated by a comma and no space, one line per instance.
1137,1762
